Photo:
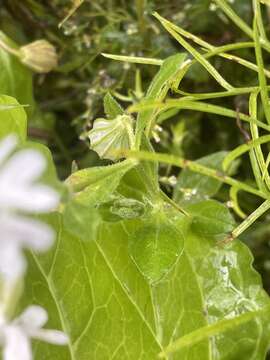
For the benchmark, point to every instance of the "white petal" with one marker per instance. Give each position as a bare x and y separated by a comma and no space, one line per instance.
24,167
12,263
6,146
17,345
34,317
35,198
16,184
25,232
51,336
43,198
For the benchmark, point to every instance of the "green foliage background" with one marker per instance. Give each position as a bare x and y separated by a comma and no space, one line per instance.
64,105
70,98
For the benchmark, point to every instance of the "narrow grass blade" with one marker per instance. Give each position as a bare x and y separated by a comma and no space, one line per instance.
133,59
223,4
200,58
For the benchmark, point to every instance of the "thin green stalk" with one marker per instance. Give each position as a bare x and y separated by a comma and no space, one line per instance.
245,63
218,94
221,51
200,58
210,331
9,49
249,221
140,5
74,8
173,204
197,106
223,4
257,171
235,204
184,33
241,149
257,11
257,150
193,166
267,162
133,59
262,79
211,48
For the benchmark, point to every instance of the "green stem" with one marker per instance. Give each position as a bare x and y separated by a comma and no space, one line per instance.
9,49
173,204
262,79
140,6
196,167
249,220
241,149
210,331
257,11
223,4
211,48
257,150
197,106
200,58
218,94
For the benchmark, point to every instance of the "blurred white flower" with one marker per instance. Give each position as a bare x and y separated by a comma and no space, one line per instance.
19,193
15,336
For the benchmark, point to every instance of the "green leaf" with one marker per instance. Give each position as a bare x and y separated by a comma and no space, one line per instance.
80,220
193,187
91,188
142,180
97,295
111,107
81,179
158,90
12,119
156,244
15,78
211,218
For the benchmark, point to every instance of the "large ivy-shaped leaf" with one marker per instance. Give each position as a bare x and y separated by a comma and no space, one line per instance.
94,291
115,305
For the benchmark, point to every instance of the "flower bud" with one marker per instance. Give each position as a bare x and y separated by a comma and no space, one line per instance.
39,55
109,137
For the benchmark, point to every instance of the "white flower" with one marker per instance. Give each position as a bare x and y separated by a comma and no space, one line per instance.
19,193
15,336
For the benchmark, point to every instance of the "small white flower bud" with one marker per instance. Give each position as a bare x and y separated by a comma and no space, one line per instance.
39,55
